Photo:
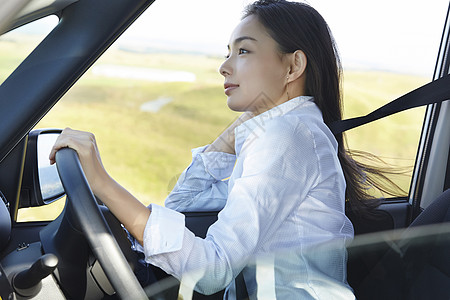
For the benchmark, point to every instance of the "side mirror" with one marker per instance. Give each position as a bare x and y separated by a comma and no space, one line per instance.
41,184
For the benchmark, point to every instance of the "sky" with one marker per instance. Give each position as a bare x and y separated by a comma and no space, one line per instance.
395,35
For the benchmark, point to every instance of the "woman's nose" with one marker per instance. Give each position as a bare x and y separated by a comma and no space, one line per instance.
225,69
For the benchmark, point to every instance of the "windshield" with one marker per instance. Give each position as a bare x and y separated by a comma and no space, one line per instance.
16,45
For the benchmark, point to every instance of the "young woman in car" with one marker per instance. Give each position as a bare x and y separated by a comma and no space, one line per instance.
278,174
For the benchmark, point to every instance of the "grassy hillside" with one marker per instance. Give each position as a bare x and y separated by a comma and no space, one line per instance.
145,151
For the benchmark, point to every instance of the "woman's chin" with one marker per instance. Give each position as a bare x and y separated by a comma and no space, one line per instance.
235,105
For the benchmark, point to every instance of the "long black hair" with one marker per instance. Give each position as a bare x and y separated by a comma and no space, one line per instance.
298,26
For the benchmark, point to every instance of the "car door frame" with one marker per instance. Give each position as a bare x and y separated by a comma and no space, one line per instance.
431,174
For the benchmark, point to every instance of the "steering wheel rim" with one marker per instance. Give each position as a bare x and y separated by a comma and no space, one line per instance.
95,228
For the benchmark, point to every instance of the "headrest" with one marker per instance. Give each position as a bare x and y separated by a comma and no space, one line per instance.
5,223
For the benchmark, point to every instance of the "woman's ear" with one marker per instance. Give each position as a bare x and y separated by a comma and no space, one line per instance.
297,65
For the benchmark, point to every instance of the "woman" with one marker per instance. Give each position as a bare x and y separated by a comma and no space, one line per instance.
277,174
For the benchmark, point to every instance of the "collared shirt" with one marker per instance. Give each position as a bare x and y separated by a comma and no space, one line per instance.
283,193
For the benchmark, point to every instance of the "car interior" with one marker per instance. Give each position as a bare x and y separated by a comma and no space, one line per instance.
402,254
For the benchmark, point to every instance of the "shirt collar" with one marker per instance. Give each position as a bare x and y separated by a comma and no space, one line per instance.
243,131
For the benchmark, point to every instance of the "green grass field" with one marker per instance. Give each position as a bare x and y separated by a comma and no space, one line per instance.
146,151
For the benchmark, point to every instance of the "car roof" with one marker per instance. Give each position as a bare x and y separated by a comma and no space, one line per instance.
15,13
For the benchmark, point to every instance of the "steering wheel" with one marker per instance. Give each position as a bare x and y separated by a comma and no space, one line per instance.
95,228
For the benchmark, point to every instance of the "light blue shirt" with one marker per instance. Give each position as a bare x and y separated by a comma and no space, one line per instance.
282,195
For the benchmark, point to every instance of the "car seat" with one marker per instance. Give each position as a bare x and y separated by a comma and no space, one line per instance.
418,265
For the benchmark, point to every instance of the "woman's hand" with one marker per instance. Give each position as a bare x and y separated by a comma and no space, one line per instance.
225,142
85,145
130,211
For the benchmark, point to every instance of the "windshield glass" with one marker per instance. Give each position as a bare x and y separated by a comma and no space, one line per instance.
391,265
17,44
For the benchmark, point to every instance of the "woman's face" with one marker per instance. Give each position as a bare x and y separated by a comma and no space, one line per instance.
255,71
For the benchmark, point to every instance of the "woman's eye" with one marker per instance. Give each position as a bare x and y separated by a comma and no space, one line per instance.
243,51
240,51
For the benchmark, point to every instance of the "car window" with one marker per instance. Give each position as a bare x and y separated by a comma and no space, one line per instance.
388,48
156,93
17,44
393,140
264,274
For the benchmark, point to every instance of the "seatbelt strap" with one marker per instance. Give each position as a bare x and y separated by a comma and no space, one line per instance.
433,92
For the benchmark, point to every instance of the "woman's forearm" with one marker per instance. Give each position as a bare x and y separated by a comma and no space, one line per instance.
132,213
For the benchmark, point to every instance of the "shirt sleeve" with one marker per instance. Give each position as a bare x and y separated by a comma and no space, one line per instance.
279,168
203,186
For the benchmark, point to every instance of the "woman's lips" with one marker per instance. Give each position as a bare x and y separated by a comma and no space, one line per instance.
229,87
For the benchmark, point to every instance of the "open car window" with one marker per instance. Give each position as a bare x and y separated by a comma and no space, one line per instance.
388,49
